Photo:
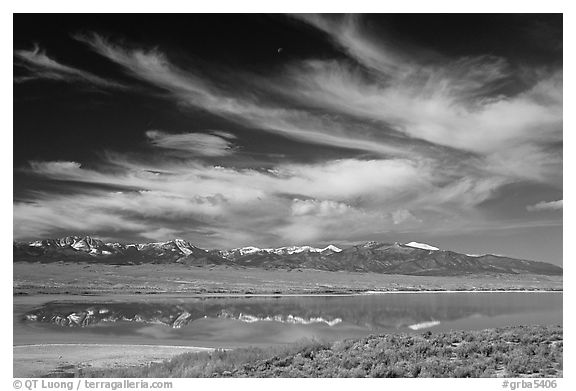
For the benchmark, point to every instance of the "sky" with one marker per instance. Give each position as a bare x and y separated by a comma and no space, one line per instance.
274,130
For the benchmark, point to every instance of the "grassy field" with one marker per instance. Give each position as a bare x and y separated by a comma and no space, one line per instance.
76,278
532,351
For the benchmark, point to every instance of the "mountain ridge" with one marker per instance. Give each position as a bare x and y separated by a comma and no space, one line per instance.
413,258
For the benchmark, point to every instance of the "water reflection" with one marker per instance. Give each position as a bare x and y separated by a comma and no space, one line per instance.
289,318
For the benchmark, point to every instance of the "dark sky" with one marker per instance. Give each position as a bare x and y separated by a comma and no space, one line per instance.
267,130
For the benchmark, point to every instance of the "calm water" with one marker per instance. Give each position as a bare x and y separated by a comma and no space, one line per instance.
267,320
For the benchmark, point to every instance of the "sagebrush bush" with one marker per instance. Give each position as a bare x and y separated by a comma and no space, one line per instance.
514,351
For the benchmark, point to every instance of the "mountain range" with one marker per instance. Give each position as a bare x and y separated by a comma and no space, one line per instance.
387,258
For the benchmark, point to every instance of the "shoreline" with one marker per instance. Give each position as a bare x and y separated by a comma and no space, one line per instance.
111,345
63,359
457,351
319,294
149,280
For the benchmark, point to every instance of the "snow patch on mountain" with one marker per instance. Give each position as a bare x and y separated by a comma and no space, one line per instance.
424,325
79,245
279,251
292,319
248,250
422,246
331,248
183,246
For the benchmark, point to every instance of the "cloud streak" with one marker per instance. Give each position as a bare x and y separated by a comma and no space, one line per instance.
41,66
289,203
190,89
545,205
461,103
407,110
195,144
432,142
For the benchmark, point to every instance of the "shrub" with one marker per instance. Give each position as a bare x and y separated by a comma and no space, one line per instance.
538,350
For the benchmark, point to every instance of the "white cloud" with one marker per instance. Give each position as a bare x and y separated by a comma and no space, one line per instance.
346,32
223,134
161,233
318,208
323,201
437,105
192,143
449,103
41,66
545,205
404,216
452,102
50,213
440,139
188,88
58,168
337,179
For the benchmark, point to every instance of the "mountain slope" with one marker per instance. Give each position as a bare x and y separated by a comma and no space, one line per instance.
387,258
74,248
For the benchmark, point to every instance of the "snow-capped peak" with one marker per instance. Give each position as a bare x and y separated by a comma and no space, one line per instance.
248,250
331,248
183,246
296,249
280,250
300,249
422,246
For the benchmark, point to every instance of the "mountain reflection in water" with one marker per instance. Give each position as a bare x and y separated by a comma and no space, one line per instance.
366,314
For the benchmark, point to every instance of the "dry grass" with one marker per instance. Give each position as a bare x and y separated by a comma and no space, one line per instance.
534,351
58,278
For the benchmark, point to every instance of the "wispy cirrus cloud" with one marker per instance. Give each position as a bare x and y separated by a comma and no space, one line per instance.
344,30
437,108
190,89
406,108
462,103
435,140
49,213
545,205
290,203
41,66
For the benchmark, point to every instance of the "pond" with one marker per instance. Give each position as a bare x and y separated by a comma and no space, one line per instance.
259,321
